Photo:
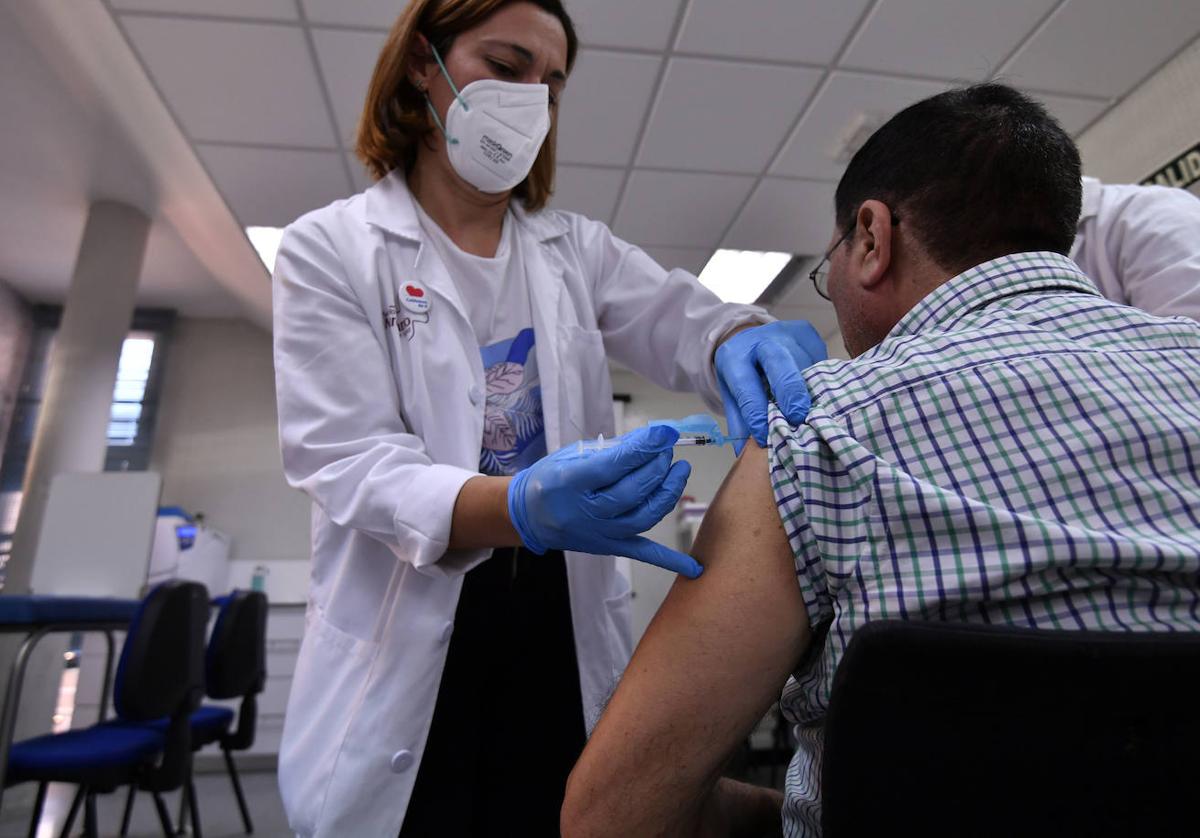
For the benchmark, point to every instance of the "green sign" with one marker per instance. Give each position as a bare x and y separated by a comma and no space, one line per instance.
1183,171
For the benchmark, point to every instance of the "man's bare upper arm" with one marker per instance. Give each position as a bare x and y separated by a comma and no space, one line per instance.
710,664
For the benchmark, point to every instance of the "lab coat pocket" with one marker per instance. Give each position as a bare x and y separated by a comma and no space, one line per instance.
331,674
587,384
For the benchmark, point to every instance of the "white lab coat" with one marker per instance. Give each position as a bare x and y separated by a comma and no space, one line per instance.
381,423
1141,246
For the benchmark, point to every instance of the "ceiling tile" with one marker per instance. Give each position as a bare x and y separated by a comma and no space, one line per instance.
235,82
690,259
263,9
1073,114
588,191
803,31
679,209
948,39
683,133
347,61
841,106
273,187
795,216
378,13
627,24
604,105
1103,49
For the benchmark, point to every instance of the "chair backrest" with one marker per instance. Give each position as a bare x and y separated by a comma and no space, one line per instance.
161,668
236,660
946,729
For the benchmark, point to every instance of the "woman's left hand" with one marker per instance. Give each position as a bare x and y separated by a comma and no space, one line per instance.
600,501
772,356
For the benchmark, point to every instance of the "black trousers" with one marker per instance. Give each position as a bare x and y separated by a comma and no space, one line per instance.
508,725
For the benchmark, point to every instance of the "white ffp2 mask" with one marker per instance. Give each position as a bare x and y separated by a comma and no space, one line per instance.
494,130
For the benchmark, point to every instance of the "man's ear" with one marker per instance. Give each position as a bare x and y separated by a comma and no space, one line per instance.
875,219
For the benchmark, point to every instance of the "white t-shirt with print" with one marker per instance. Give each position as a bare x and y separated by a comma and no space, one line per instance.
495,293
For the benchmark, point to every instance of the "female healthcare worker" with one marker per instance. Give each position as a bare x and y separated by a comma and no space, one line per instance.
435,337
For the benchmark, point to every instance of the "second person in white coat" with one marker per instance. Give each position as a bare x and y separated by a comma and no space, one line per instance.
1141,246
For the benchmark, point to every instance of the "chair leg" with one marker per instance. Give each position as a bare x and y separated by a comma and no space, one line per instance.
231,767
193,807
38,803
91,828
76,802
183,811
125,818
164,817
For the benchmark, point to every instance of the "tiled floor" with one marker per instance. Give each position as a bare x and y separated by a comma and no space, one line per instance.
219,816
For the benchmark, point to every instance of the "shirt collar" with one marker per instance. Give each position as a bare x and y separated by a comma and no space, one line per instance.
1017,273
390,205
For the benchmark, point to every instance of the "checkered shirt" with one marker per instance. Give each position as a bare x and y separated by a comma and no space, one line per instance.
1017,451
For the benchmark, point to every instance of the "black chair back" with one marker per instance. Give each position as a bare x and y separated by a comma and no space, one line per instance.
161,671
946,729
161,666
236,661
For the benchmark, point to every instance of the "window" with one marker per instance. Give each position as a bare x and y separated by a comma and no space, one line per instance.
129,393
131,417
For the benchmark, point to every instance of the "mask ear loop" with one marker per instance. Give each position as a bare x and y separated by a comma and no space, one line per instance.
457,95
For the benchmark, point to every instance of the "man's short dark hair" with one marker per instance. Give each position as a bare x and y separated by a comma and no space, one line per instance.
977,172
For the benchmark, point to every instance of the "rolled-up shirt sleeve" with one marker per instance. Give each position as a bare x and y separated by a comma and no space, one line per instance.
823,482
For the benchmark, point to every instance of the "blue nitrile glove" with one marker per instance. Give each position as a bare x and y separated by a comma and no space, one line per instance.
600,501
773,355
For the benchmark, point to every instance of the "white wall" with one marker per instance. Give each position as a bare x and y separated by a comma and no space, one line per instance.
216,443
1153,124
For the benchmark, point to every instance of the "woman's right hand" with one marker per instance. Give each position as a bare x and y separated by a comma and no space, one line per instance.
601,501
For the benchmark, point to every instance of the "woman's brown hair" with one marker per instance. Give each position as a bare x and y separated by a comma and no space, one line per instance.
395,119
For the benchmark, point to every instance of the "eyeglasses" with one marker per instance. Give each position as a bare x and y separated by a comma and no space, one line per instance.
820,274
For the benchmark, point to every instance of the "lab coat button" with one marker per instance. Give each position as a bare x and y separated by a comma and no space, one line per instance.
475,394
447,632
402,761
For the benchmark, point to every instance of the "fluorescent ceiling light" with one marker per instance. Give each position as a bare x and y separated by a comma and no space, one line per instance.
266,242
740,276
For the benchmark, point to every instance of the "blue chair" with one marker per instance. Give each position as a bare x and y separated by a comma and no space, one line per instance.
160,674
235,667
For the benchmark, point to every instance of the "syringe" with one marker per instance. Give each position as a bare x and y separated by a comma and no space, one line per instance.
699,429
602,444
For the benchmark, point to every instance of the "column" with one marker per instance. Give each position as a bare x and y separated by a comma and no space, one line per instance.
72,424
71,433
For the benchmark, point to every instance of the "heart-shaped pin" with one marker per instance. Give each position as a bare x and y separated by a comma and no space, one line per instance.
414,291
